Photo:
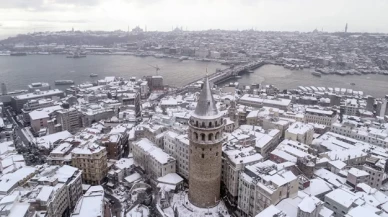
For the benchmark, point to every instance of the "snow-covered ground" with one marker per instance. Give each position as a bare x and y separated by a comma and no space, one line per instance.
185,208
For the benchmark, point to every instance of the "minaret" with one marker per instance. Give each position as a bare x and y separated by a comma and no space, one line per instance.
346,28
206,139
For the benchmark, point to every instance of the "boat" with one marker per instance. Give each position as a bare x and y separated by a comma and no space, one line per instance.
76,55
352,84
43,53
63,82
183,58
18,54
238,76
316,74
93,75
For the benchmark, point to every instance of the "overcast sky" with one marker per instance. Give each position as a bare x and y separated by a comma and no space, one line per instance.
21,16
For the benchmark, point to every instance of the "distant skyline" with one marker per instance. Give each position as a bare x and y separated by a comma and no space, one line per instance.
23,16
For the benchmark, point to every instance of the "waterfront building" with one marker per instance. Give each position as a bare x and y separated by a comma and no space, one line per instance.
18,101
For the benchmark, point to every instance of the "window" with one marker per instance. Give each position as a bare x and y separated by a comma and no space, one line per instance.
217,135
203,155
210,136
203,136
210,124
216,153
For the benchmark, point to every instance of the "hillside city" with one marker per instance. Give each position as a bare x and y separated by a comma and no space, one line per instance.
139,148
341,53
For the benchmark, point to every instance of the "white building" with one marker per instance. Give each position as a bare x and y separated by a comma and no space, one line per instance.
153,159
320,116
178,146
233,163
300,132
258,101
356,176
370,135
264,184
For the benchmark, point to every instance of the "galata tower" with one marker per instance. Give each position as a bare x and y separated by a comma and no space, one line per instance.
206,139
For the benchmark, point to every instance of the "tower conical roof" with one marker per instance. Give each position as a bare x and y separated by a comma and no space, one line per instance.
206,105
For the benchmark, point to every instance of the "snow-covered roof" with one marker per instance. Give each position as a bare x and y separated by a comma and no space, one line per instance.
155,152
45,193
360,211
171,178
309,204
91,204
317,187
299,128
47,141
338,164
43,112
357,172
342,196
270,211
330,177
133,177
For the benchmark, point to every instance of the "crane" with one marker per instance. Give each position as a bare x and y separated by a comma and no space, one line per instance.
155,67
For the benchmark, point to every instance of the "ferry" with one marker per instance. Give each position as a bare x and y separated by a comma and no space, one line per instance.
93,75
76,55
183,58
64,82
18,54
316,74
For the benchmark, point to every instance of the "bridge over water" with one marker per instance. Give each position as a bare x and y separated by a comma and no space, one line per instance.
218,77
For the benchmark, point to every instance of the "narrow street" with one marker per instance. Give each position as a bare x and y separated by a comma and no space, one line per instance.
116,206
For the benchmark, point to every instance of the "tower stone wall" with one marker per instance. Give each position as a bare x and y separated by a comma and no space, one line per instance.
206,137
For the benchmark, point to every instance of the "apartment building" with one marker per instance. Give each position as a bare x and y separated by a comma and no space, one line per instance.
234,161
264,184
320,116
92,160
300,132
370,135
177,145
153,159
69,119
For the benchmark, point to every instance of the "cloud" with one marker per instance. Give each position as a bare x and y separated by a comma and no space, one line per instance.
21,3
45,4
78,2
80,21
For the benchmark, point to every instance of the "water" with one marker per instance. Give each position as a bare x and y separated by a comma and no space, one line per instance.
373,84
18,72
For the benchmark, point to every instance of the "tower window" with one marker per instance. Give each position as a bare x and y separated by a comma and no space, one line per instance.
203,155
210,136
203,124
217,135
203,136
196,135
216,153
210,124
